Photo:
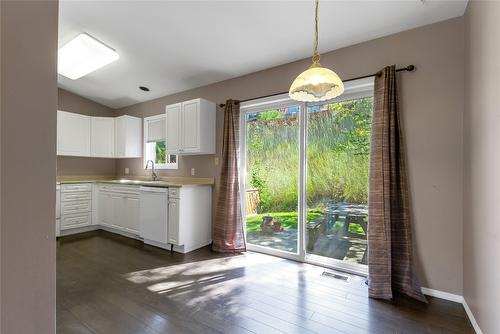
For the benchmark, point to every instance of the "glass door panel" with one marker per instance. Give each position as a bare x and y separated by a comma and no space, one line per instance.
272,178
338,146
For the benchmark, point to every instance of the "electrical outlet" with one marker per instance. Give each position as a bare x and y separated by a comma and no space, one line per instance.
193,172
216,161
127,170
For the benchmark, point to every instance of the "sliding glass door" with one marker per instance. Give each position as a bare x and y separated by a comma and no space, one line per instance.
338,147
272,177
305,177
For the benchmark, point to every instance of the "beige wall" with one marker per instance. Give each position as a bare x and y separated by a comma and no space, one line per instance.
482,158
432,105
68,101
28,138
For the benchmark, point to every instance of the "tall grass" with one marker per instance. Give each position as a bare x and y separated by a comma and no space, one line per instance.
337,154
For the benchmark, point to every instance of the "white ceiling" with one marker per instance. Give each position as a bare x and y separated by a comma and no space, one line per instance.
173,46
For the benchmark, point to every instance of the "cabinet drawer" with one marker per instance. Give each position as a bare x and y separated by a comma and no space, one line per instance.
75,220
66,188
174,192
105,187
127,189
75,207
76,196
122,189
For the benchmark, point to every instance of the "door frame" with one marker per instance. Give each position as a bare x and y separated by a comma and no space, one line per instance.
354,89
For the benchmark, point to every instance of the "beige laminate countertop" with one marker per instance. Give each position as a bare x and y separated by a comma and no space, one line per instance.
141,181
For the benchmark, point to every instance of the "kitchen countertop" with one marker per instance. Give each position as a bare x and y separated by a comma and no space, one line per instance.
162,182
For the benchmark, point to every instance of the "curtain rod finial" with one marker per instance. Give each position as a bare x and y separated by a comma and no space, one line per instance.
410,68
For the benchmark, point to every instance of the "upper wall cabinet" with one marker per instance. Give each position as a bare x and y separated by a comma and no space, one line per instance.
104,137
128,137
191,127
73,134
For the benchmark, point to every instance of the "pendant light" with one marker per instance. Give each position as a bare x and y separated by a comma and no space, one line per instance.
316,83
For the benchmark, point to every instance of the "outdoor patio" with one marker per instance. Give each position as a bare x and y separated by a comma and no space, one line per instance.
339,233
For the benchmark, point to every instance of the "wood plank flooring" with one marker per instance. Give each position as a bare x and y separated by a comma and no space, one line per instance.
110,284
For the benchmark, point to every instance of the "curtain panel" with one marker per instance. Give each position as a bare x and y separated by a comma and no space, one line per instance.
228,234
390,250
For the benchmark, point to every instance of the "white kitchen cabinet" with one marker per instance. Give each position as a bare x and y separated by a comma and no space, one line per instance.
180,217
103,137
173,127
73,134
131,221
128,137
118,207
191,127
173,222
105,209
190,217
75,205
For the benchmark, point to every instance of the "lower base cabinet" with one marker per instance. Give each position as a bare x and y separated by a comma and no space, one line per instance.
190,217
118,207
173,222
75,206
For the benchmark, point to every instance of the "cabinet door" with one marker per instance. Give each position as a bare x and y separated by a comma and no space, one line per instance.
105,209
173,222
173,119
132,214
119,214
190,129
73,134
128,137
120,137
103,137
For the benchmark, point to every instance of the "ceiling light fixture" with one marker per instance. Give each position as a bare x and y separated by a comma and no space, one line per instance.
316,83
83,55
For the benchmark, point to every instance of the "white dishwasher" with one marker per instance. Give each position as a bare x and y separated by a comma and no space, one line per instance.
154,216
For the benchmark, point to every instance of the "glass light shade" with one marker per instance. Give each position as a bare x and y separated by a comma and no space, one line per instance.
316,84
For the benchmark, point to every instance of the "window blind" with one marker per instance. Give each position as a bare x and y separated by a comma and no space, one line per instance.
156,130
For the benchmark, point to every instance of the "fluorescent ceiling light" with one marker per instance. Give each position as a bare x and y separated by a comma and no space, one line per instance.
83,55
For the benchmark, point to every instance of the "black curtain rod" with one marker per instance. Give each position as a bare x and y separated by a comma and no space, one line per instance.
408,68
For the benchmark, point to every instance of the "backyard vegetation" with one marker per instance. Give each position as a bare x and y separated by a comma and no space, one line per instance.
338,145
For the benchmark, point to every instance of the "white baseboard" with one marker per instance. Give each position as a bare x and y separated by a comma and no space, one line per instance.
473,321
443,295
457,299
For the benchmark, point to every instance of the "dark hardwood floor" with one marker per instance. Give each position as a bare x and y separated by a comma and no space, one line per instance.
110,284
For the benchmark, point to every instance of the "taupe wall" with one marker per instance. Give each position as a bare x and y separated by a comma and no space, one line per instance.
28,139
482,158
432,105
68,101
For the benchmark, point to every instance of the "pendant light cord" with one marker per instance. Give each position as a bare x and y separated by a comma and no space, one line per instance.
315,57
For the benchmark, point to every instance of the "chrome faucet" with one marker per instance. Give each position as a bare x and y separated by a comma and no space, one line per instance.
154,177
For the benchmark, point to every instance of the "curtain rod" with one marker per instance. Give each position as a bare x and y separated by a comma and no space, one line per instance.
408,68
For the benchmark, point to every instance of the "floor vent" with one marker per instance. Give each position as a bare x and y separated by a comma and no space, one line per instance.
336,276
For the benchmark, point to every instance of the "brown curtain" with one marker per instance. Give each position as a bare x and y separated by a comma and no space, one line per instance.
228,236
390,259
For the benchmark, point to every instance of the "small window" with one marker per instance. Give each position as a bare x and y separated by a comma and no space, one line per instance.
155,143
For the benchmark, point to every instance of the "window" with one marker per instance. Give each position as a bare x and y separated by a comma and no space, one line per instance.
155,143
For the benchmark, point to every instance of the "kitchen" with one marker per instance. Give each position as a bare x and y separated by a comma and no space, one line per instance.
173,213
